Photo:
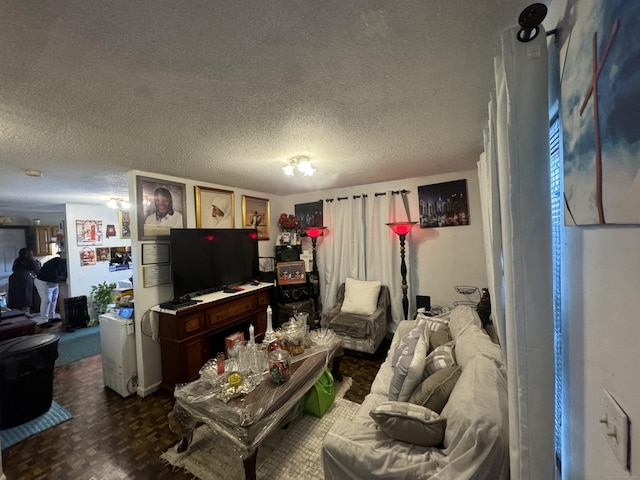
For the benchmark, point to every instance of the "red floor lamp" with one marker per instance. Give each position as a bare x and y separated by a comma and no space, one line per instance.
314,278
401,229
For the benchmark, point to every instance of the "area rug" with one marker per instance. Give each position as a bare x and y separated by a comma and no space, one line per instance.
54,416
287,454
81,343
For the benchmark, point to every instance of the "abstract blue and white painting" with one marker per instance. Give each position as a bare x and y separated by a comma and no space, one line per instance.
600,111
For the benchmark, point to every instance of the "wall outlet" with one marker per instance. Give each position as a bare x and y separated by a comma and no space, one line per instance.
615,428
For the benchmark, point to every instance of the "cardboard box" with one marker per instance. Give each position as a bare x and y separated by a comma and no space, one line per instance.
117,294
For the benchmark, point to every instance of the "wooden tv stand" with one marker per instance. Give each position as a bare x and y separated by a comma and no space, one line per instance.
186,334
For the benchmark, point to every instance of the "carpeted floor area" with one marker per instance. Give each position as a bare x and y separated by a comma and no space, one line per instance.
81,343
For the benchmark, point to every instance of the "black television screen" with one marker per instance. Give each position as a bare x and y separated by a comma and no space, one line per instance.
206,260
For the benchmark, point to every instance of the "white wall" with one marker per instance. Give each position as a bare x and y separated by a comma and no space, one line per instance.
82,278
601,332
437,258
600,328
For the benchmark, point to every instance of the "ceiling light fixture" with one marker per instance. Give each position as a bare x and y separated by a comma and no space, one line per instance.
118,203
33,173
301,163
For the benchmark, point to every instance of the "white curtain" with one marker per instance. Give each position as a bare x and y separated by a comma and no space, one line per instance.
342,244
517,216
358,244
382,250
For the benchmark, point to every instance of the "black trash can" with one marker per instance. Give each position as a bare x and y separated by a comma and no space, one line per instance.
26,377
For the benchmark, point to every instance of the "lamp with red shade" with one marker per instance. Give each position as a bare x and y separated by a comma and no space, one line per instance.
401,229
314,278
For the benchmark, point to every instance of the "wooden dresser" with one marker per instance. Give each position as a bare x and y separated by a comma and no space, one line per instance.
191,336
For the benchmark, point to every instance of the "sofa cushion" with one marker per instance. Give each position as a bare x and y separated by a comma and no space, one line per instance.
439,337
410,423
440,358
408,363
434,390
360,297
461,317
355,326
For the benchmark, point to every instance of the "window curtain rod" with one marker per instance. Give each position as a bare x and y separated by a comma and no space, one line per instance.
364,195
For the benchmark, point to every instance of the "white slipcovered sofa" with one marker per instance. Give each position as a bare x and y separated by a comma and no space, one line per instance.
468,438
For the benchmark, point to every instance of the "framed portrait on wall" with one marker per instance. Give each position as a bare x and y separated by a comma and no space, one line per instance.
214,208
124,220
255,214
161,207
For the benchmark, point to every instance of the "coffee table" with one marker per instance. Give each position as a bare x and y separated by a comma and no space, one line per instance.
247,420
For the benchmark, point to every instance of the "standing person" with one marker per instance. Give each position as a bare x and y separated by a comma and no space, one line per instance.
47,282
164,213
20,294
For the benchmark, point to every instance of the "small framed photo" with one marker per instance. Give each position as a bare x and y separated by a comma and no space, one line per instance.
255,214
214,208
291,273
161,207
103,254
124,219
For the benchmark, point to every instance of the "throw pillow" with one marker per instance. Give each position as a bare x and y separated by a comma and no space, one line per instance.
410,423
360,297
408,363
437,338
440,358
434,390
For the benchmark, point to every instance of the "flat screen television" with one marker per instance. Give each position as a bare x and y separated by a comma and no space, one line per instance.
206,260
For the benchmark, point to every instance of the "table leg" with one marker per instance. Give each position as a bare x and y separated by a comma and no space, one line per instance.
336,368
184,445
250,465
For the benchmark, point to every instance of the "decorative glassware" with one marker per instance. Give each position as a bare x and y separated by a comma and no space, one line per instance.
279,366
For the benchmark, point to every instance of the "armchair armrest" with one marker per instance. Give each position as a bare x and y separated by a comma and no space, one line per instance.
329,314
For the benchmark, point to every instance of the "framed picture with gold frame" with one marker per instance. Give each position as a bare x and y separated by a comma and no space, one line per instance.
256,214
124,220
214,208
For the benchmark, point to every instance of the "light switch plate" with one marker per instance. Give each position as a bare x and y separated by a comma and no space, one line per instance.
615,428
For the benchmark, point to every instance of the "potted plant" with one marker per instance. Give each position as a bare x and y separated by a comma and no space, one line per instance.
100,299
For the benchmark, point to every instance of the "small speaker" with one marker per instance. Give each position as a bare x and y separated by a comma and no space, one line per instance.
423,301
288,253
293,293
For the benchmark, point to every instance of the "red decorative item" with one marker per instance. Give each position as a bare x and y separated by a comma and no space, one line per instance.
288,222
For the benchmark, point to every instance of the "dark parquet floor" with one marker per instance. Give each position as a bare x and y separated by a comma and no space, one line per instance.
114,438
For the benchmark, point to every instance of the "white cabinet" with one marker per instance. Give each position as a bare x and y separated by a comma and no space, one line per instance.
117,342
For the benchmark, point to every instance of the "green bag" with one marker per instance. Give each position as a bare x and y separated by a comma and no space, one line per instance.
320,397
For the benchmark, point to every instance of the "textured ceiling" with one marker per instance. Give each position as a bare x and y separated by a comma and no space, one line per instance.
226,91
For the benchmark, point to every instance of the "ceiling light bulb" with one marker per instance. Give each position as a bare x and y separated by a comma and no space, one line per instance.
288,169
112,203
305,167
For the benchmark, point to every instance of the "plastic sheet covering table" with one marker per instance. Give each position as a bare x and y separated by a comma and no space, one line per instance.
247,420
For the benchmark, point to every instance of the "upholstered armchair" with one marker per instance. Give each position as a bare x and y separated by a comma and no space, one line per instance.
360,332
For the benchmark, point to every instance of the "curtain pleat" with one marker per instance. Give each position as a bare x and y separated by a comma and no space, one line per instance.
517,221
